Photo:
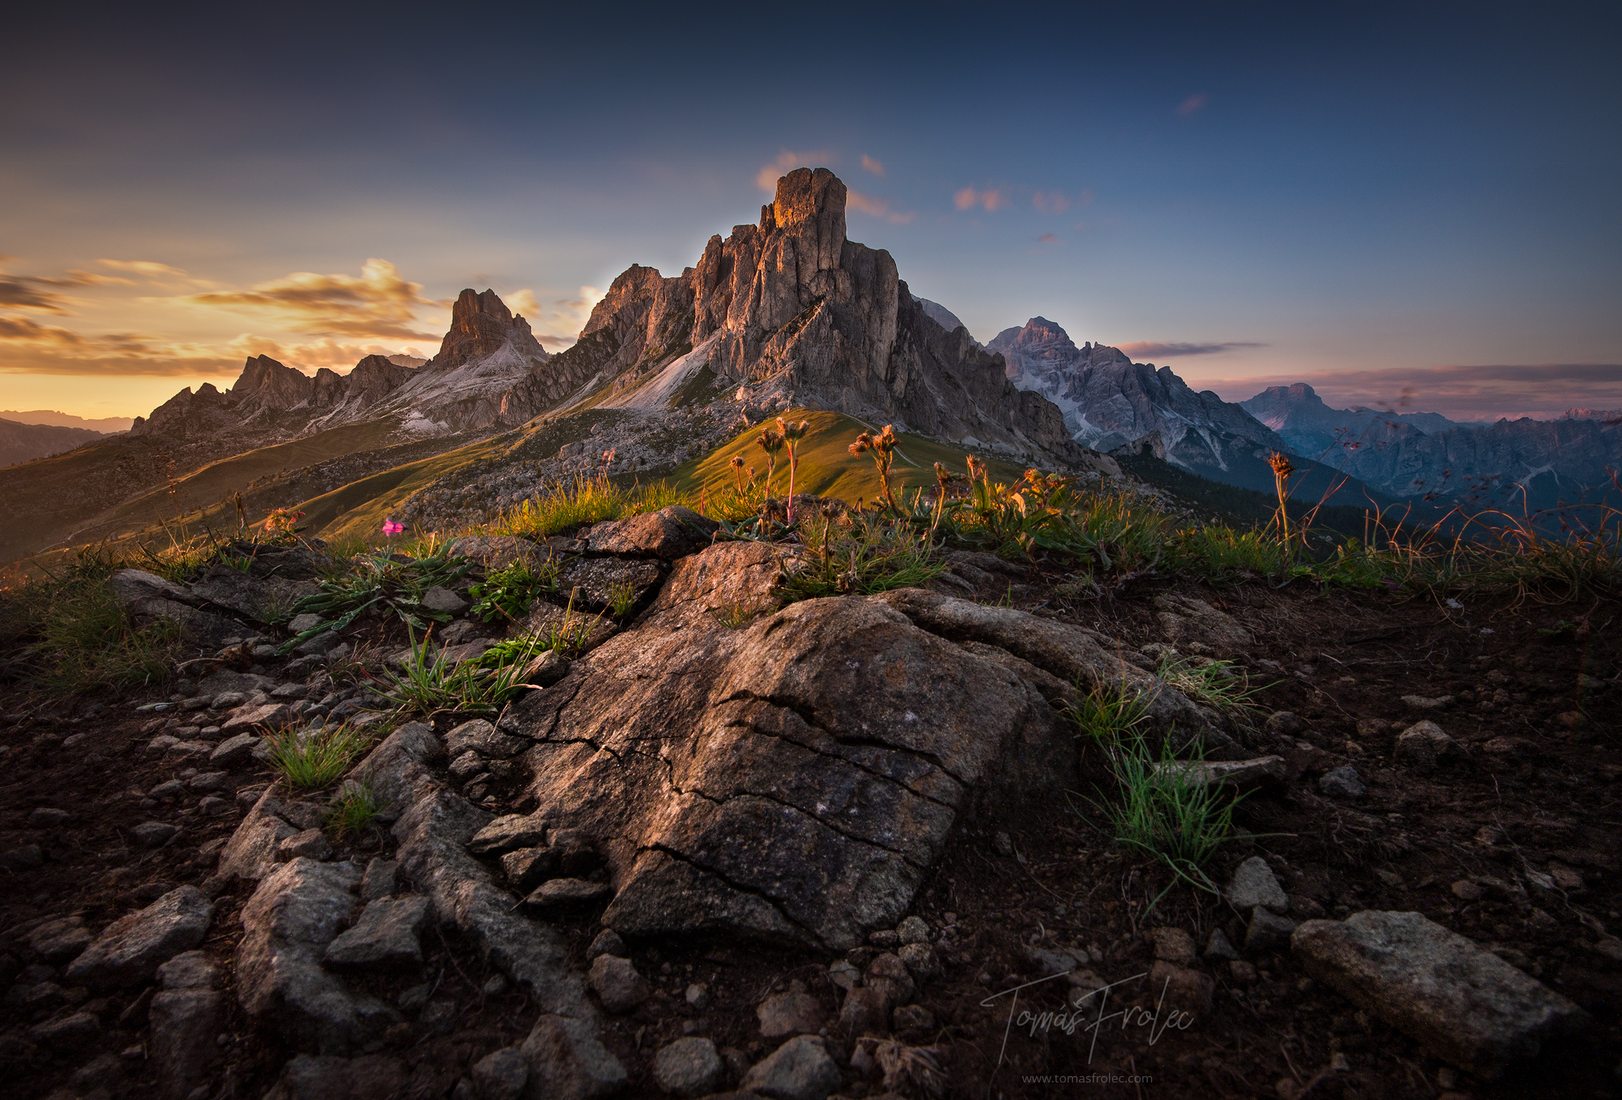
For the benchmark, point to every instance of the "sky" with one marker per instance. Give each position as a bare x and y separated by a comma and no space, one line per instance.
1410,205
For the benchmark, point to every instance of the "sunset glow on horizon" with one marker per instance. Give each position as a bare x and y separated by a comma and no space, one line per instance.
1244,209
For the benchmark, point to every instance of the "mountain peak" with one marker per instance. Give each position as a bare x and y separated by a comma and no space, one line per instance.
480,324
809,195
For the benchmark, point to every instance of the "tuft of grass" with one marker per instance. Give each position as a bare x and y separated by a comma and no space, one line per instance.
1217,553
1219,684
312,759
621,598
506,594
1162,811
860,553
431,683
382,583
584,500
65,633
1107,713
736,615
1159,810
354,810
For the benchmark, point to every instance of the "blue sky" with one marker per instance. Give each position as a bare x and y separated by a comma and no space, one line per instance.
1368,197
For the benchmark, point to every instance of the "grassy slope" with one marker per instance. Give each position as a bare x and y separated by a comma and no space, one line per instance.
826,467
357,510
210,486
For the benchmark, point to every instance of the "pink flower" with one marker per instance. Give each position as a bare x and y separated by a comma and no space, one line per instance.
391,528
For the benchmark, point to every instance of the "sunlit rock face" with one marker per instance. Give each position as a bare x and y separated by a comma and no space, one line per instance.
794,311
481,324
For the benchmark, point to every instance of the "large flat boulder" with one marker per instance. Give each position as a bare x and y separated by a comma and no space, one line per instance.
797,778
1459,1000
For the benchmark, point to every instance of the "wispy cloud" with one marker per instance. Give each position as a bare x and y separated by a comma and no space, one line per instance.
156,272
43,293
873,165
1048,238
877,207
1155,349
788,160
378,303
1193,105
990,199
1050,202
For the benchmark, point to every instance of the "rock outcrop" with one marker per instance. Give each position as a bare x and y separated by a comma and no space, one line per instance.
796,779
794,312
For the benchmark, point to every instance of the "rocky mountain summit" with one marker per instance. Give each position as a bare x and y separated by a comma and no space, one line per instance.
1110,403
789,311
271,400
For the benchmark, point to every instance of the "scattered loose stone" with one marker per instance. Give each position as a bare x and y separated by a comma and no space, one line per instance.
1424,746
617,983
1460,1001
1238,774
1172,945
309,844
1182,988
1427,702
382,878
913,930
59,939
1342,782
388,933
793,1012
1253,883
442,599
153,834
800,1069
506,833
47,817
501,1075
561,892
568,1061
131,949
234,750
688,1067
287,924
920,960
1218,948
67,1033
1267,930
606,942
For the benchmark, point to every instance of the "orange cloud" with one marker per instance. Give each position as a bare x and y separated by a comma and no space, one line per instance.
1193,105
990,200
378,303
785,162
877,207
873,165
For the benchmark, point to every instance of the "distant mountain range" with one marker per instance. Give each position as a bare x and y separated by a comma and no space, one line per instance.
1522,464
782,313
25,442
103,425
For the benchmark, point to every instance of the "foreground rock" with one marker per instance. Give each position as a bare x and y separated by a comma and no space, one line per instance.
797,778
1462,1002
287,924
133,947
